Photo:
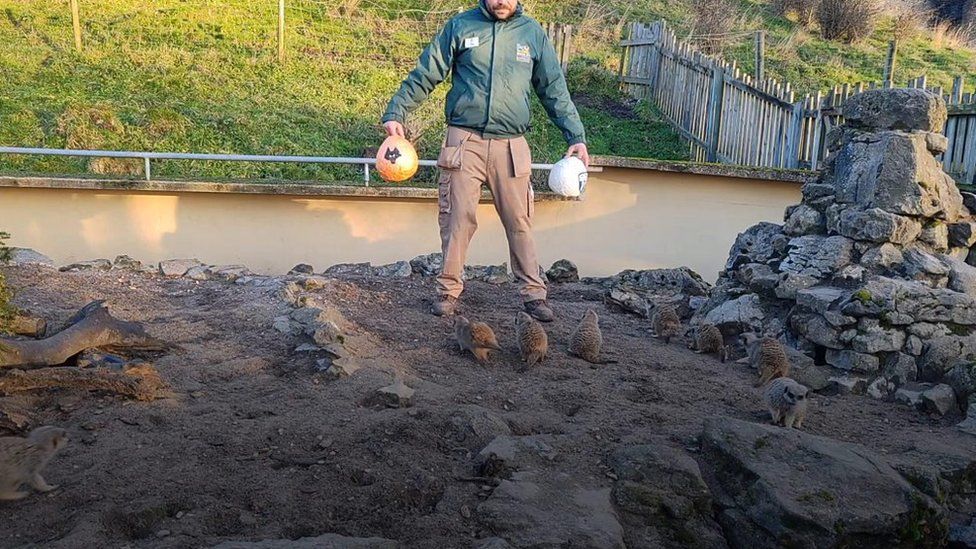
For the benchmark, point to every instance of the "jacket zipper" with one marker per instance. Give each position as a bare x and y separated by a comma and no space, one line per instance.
491,74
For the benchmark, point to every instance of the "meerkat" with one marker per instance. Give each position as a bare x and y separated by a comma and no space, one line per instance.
476,337
23,459
533,343
708,339
587,340
666,322
787,402
768,356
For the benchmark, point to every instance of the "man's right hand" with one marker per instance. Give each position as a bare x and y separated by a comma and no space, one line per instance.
394,128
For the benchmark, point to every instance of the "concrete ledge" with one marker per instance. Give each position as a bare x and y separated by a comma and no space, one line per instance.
721,170
271,187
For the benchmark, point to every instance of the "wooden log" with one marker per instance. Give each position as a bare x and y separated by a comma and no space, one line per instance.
26,324
140,381
91,328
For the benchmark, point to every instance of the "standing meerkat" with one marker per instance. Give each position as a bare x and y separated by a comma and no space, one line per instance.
768,356
476,337
666,322
587,340
708,339
23,459
787,402
533,343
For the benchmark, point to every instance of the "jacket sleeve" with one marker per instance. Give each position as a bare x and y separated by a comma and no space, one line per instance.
550,85
432,68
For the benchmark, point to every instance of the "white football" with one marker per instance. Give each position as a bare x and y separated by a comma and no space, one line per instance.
568,177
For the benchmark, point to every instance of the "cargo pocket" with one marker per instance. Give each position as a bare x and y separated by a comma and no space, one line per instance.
521,157
444,192
452,151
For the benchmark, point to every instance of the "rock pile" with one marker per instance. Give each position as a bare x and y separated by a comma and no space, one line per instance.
872,273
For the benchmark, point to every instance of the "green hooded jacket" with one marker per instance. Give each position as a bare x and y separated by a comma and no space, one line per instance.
494,64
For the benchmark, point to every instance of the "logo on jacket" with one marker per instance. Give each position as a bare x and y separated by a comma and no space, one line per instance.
522,53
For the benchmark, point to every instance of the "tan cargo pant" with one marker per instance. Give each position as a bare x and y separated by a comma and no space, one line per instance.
504,165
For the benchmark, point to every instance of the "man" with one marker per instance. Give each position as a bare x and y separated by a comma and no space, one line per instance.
496,55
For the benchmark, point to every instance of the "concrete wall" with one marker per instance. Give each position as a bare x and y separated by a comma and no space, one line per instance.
630,218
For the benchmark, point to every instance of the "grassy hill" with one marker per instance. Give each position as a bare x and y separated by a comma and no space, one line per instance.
203,76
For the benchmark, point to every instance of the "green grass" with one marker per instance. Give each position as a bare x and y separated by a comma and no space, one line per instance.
190,76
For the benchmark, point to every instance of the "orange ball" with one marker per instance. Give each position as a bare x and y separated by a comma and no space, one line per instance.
396,160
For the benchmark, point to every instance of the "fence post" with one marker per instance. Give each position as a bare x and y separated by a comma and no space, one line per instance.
889,69
714,113
760,55
657,36
794,137
76,24
567,45
623,54
281,31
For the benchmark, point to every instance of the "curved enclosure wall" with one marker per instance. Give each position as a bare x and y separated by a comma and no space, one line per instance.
629,219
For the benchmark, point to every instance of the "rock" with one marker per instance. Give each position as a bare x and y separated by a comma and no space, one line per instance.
962,234
770,497
200,273
962,379
942,353
326,333
816,329
921,262
852,360
820,299
27,256
314,282
968,425
755,245
895,172
506,454
790,283
805,220
400,269
491,543
877,225
911,394
805,371
397,395
283,325
874,338
563,271
817,256
739,315
492,274
936,235
662,499
308,348
676,281
848,385
325,541
93,265
900,369
895,109
291,293
474,427
350,269
963,535
532,511
969,201
939,399
345,367
880,388
177,267
127,263
302,269
427,265
962,276
936,143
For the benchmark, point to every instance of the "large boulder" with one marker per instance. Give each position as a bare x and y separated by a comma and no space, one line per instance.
532,510
757,244
782,487
662,499
896,109
742,314
817,256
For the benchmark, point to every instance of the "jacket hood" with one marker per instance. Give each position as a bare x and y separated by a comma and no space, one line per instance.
491,16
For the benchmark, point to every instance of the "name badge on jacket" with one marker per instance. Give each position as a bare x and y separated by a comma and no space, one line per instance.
471,42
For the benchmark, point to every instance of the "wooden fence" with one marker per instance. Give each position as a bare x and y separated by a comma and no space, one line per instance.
730,117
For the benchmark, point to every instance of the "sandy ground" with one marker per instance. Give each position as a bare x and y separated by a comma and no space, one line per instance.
258,444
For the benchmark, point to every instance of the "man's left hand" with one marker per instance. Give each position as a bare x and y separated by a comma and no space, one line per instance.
579,150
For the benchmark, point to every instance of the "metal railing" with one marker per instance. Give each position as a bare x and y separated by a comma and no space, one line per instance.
148,156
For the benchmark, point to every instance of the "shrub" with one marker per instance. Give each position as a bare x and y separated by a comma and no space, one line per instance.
713,21
908,17
848,20
802,10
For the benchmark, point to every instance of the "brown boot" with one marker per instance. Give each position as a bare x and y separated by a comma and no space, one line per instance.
540,310
446,306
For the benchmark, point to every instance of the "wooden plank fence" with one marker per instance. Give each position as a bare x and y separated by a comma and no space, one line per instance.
561,36
730,117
